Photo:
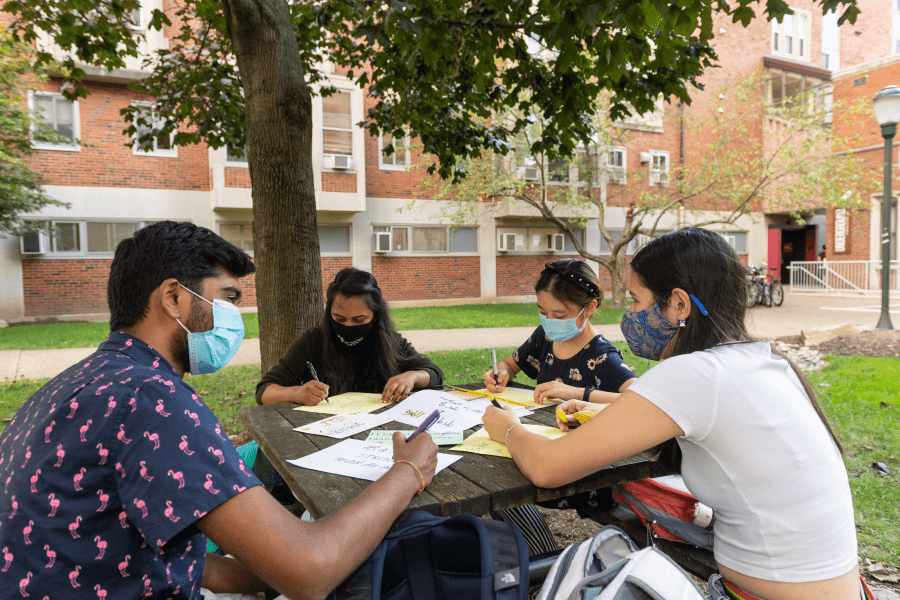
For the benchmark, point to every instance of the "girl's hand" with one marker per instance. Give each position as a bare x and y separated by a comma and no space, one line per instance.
311,393
497,422
568,408
555,390
399,387
489,381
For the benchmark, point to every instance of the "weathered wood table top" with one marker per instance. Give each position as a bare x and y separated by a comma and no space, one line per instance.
475,484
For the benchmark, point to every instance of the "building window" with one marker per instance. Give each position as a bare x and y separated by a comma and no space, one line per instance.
53,113
147,121
558,170
737,240
399,158
536,240
659,168
337,124
334,239
136,18
616,161
235,156
831,41
790,36
239,234
104,237
424,240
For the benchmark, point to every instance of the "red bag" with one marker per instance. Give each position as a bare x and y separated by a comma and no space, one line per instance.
667,512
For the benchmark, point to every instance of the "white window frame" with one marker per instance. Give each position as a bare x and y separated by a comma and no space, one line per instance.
349,226
656,173
140,25
621,171
323,129
230,162
155,152
404,150
242,225
535,240
75,146
409,240
82,224
796,29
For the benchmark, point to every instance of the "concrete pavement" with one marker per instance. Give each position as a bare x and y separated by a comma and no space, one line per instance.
798,312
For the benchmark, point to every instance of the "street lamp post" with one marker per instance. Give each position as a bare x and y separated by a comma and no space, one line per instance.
887,113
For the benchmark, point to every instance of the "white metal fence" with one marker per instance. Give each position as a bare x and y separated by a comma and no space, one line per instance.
856,277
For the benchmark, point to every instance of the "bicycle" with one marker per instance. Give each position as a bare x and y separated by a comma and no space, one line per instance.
776,289
758,289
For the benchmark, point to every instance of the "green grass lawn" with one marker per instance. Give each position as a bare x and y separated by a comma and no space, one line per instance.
87,335
857,394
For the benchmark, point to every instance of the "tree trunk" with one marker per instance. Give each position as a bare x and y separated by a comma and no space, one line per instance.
279,155
617,277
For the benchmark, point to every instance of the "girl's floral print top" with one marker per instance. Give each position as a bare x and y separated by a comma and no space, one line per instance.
599,364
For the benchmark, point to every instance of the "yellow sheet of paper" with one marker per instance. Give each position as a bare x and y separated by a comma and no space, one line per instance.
351,401
516,396
480,443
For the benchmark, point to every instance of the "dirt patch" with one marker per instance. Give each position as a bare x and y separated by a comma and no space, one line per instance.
877,342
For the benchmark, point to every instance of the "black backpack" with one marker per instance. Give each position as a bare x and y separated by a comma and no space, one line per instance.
443,558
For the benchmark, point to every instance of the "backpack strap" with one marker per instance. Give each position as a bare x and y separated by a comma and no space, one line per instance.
419,566
506,556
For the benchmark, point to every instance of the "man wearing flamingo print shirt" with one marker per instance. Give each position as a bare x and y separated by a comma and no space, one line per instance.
114,470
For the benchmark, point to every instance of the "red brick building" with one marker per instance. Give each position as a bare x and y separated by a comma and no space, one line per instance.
368,212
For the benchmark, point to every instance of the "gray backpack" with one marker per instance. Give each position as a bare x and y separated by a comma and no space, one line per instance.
610,566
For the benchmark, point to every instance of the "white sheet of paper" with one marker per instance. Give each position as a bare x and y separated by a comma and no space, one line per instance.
344,425
441,438
363,460
457,414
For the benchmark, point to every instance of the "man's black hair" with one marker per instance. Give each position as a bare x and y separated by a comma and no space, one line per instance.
160,251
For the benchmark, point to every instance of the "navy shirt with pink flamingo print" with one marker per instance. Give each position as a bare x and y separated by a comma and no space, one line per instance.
104,472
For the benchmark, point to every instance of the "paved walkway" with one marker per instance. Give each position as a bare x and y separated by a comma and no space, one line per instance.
798,312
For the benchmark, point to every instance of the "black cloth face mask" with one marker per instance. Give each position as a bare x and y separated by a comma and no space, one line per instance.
351,335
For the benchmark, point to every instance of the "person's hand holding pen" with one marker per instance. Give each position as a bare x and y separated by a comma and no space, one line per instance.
497,377
313,391
421,451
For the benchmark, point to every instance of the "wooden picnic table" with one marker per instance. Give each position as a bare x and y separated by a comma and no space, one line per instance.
476,484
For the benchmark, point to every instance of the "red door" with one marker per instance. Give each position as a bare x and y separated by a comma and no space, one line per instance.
774,254
811,244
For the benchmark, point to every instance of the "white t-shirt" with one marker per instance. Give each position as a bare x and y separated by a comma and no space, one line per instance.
755,450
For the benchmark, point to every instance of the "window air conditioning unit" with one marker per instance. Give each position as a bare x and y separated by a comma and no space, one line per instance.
556,242
645,157
33,243
382,241
616,175
528,173
660,178
339,162
506,242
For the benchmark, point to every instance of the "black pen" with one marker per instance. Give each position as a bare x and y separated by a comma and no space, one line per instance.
316,377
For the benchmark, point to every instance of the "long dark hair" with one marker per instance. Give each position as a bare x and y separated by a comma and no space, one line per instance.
570,280
343,372
702,263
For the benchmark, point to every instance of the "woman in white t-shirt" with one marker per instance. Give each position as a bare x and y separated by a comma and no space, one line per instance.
752,440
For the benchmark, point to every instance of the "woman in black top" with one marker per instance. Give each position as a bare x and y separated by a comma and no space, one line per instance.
355,349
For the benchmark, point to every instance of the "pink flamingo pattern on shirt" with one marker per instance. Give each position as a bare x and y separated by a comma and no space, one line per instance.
76,470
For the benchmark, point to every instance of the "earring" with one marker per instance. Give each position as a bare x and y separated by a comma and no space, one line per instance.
681,321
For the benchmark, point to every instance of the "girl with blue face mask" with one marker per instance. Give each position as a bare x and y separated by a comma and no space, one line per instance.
565,354
751,441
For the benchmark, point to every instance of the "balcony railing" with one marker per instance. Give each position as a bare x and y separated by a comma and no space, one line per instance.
851,277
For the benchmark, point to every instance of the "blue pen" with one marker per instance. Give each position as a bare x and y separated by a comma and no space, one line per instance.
428,422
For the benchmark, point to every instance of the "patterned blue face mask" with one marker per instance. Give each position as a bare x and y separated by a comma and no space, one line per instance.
648,331
561,330
211,350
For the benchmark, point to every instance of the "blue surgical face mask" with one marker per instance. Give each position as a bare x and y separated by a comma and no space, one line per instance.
211,350
561,330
